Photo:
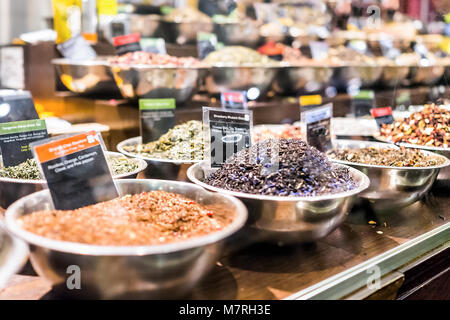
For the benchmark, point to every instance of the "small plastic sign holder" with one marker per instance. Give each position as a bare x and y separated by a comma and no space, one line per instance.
77,48
236,100
362,103
76,170
319,49
153,45
16,105
382,115
157,116
316,126
227,132
16,137
127,43
206,43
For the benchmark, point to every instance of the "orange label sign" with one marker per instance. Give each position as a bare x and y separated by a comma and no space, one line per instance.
59,148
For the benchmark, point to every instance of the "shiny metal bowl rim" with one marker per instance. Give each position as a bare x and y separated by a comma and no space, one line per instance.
124,66
98,250
387,146
138,140
142,165
178,22
410,145
364,184
94,62
16,260
246,66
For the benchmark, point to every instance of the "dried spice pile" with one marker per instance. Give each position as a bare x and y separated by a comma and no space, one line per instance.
154,59
182,142
429,127
301,171
402,157
29,170
238,55
147,218
287,131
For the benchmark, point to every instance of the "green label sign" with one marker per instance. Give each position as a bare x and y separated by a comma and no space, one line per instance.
156,104
365,95
22,126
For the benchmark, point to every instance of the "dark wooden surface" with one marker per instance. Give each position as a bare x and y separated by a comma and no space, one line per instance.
262,271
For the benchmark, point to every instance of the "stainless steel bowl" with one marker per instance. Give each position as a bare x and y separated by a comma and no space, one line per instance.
141,81
356,76
289,219
13,255
87,77
225,78
444,173
425,75
393,76
245,33
153,271
158,168
185,32
14,189
391,187
302,79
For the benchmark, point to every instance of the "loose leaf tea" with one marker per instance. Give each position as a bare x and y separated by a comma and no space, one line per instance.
287,131
147,218
429,127
29,170
182,142
301,170
402,157
26,170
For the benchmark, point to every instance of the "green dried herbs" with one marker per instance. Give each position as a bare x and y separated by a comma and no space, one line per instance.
26,170
29,170
391,157
182,142
122,165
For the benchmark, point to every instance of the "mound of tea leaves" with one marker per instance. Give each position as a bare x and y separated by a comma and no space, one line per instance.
285,167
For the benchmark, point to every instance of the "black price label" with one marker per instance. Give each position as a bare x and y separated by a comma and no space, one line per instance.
127,43
153,45
157,117
317,128
16,106
76,48
76,170
362,103
229,132
382,115
15,139
206,43
234,100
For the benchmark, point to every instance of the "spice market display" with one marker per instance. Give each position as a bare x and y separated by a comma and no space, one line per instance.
224,150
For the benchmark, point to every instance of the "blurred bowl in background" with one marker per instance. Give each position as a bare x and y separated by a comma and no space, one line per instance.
87,77
226,78
302,79
141,81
